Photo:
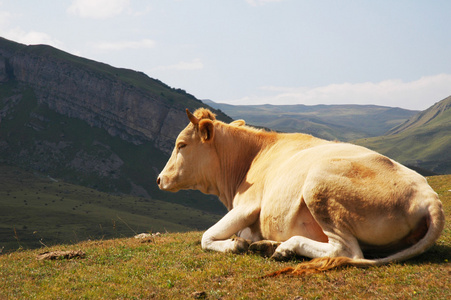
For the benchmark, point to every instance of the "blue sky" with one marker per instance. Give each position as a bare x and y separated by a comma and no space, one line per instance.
393,53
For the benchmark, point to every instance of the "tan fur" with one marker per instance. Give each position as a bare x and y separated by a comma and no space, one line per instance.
320,199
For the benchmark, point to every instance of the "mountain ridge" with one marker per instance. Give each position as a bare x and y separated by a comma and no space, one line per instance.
341,122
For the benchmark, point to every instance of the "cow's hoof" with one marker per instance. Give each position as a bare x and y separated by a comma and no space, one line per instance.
241,245
264,248
283,255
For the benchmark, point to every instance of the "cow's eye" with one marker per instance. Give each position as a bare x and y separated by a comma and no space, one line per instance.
181,145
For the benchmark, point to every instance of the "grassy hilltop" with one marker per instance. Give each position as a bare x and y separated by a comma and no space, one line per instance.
173,266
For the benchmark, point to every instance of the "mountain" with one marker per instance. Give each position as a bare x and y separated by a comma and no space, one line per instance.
423,141
89,123
340,122
126,103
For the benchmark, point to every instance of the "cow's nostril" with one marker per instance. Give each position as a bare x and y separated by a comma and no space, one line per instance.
158,180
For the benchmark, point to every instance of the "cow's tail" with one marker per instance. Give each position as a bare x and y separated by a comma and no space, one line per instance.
435,222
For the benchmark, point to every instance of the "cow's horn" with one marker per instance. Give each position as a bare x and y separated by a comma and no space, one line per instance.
191,117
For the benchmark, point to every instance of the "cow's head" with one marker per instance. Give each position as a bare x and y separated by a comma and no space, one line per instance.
194,159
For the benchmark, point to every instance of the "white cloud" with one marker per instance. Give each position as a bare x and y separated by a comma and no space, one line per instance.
121,45
260,2
19,35
98,9
31,37
195,64
419,94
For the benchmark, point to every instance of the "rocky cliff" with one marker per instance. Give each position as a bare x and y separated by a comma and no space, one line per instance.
126,103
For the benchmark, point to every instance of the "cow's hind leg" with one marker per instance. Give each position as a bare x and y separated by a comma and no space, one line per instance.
302,246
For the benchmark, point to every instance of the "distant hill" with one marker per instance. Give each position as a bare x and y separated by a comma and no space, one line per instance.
340,122
420,140
423,141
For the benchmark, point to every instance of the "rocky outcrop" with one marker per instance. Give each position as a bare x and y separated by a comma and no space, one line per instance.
101,101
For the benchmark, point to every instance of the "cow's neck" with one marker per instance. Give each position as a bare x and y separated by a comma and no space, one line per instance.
237,149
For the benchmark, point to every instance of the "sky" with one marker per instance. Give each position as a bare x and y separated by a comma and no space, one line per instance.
386,52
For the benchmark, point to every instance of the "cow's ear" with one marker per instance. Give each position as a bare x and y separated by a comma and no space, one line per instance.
206,130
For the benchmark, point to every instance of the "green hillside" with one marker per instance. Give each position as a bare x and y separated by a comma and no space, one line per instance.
38,210
423,141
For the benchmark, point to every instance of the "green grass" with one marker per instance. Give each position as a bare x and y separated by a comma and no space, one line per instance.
174,266
428,145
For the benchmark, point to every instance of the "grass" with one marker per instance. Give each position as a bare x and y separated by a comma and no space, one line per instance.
173,266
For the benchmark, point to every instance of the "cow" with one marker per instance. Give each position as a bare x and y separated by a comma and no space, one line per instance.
292,194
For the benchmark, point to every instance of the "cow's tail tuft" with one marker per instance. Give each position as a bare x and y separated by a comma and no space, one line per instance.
321,264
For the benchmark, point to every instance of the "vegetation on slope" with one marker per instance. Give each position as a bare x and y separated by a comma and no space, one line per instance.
38,210
173,266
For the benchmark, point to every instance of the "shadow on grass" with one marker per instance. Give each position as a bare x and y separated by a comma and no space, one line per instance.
437,254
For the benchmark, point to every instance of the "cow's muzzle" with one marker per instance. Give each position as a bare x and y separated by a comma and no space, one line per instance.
163,183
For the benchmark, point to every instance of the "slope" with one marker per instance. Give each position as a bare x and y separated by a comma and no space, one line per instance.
423,141
39,210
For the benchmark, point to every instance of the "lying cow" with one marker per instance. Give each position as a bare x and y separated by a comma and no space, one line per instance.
294,194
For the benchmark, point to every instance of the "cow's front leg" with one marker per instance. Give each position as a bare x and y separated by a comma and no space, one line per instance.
217,237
